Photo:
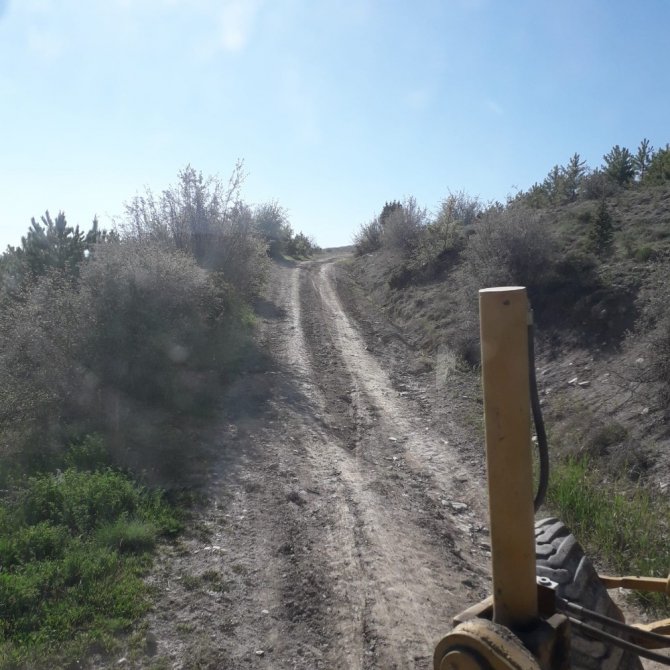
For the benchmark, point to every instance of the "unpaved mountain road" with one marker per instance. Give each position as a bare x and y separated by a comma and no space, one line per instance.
345,524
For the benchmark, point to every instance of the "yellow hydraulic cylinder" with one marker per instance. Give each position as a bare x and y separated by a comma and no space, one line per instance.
503,314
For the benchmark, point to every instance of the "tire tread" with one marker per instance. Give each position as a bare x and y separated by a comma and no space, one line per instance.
561,558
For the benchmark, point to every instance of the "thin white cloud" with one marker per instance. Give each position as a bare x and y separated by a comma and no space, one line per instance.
236,23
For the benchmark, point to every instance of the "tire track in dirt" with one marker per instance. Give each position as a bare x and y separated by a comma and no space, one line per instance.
325,543
413,570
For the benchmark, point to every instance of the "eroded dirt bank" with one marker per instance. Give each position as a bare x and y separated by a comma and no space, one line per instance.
346,524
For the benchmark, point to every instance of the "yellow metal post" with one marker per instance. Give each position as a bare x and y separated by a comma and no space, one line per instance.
504,345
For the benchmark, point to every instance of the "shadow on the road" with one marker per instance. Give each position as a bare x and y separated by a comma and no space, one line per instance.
254,412
268,310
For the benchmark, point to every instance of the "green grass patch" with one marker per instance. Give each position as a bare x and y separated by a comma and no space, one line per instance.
73,548
624,525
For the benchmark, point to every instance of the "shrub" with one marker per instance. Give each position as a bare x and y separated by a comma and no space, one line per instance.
146,312
388,209
38,542
143,339
301,246
271,221
79,501
88,454
39,343
205,218
512,247
508,247
401,228
368,238
440,241
515,247
597,185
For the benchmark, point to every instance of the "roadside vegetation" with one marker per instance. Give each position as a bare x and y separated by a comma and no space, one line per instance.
625,526
115,349
593,248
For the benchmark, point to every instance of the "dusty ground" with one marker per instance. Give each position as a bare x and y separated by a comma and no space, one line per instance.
345,524
344,515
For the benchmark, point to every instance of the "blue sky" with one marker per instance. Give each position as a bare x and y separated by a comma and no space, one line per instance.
334,105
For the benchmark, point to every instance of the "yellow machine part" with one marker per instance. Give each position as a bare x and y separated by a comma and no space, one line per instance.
480,644
505,380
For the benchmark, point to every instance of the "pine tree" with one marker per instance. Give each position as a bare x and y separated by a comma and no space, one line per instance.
554,184
53,244
658,171
573,174
643,157
619,165
601,234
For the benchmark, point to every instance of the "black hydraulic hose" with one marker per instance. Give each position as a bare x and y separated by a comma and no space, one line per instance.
542,445
598,634
567,607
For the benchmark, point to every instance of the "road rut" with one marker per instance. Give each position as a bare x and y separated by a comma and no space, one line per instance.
344,526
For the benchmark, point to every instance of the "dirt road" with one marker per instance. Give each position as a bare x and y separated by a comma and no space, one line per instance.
345,525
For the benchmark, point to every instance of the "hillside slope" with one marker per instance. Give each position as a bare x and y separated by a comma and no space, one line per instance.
597,326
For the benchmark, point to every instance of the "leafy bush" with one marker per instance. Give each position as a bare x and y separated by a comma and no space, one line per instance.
88,454
38,542
141,339
206,219
597,185
440,241
301,246
271,221
512,247
401,228
79,501
147,313
39,343
368,238
515,246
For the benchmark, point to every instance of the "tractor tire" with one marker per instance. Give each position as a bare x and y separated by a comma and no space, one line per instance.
561,558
